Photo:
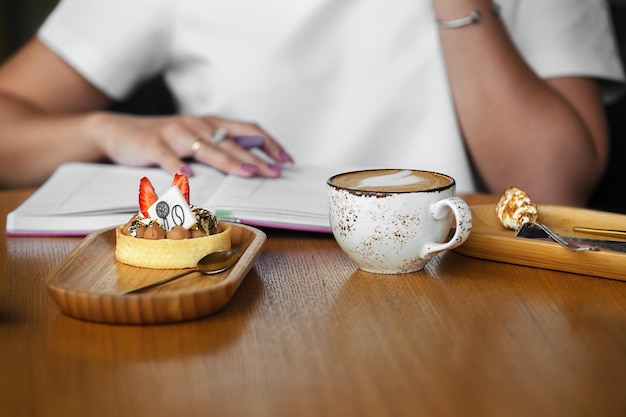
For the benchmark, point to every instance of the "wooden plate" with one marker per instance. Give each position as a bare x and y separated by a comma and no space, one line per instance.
490,240
88,284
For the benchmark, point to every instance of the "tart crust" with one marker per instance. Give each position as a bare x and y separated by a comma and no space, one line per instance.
168,253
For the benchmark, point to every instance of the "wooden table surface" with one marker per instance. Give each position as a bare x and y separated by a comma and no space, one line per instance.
307,334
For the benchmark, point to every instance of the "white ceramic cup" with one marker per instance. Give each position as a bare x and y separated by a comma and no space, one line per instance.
393,221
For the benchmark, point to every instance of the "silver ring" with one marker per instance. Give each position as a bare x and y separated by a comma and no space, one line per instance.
195,147
219,135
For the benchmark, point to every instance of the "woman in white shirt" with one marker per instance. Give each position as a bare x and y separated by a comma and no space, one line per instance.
494,96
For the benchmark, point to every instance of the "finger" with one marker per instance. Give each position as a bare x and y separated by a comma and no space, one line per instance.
266,169
250,142
276,151
238,129
162,155
187,137
219,149
221,139
225,161
231,159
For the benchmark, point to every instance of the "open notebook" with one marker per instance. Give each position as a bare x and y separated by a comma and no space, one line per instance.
80,198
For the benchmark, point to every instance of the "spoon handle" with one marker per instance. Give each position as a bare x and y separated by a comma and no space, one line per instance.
161,282
602,232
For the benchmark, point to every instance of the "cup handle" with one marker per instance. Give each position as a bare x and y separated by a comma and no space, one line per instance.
463,219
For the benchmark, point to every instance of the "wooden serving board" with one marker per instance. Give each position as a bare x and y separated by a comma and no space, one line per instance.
89,283
490,240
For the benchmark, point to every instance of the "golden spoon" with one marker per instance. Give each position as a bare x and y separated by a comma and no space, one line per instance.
602,232
213,263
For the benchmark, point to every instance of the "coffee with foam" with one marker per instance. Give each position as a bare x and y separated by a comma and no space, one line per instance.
393,221
391,180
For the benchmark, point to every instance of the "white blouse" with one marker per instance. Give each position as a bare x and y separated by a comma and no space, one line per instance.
342,83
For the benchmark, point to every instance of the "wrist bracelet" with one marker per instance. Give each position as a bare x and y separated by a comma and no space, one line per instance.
474,17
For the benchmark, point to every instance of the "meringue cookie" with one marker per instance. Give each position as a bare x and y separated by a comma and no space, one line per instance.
515,208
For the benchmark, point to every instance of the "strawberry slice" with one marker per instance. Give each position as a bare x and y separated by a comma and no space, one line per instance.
147,195
182,182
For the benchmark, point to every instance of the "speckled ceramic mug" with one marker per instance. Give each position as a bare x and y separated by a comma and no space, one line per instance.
393,221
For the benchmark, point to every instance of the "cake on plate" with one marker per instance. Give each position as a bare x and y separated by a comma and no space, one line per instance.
168,232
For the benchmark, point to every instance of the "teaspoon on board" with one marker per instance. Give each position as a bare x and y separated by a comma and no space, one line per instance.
213,263
526,228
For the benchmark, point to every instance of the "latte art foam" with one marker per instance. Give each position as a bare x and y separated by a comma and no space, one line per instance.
391,180
398,179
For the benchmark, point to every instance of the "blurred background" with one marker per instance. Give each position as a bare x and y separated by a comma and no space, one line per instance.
19,20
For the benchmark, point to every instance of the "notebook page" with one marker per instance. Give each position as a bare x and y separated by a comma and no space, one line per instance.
298,196
87,188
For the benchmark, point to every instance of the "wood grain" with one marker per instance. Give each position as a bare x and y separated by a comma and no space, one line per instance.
307,334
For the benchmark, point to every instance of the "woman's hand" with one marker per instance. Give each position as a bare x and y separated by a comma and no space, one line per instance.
170,141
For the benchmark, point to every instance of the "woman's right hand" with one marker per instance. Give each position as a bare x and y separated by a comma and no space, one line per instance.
171,140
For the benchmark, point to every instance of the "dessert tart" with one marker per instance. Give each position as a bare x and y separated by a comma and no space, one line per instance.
168,232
